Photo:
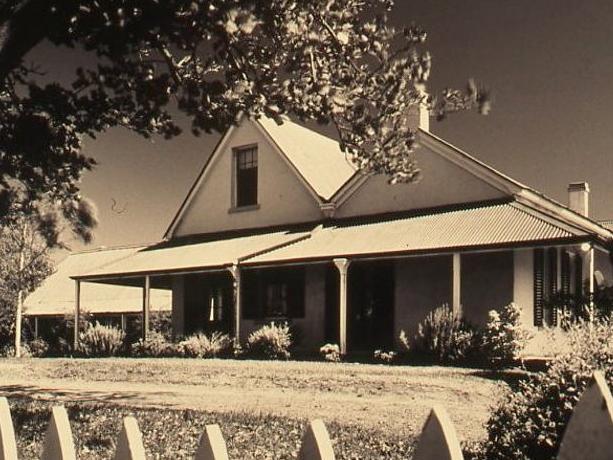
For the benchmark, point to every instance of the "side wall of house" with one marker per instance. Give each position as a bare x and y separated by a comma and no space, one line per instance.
310,328
422,284
486,284
178,306
282,197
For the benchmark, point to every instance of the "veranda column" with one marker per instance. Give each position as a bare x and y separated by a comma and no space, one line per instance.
456,275
77,313
36,327
588,265
236,274
124,322
343,266
146,306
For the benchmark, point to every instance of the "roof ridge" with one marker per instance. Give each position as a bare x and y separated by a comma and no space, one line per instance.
111,248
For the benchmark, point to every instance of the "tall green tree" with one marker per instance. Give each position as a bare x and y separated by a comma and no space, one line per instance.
334,61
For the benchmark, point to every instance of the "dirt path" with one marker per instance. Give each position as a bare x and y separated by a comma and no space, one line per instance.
394,398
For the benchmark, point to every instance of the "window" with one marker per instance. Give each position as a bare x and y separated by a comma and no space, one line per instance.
246,177
274,293
215,304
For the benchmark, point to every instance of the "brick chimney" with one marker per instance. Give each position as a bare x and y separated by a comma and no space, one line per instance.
578,197
418,115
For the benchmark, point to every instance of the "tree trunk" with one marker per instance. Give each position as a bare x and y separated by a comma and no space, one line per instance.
21,28
22,263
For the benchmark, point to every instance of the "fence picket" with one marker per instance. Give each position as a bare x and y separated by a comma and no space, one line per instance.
130,442
438,439
589,433
316,444
212,445
8,445
58,444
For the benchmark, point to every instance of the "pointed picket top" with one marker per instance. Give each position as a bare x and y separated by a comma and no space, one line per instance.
438,439
212,445
8,445
130,442
316,444
58,444
589,433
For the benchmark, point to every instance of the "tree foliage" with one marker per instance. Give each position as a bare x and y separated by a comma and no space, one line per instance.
18,239
334,61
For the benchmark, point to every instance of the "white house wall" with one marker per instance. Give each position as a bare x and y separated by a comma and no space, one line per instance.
282,197
442,183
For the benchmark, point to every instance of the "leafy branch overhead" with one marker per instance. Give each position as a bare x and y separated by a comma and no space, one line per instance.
334,61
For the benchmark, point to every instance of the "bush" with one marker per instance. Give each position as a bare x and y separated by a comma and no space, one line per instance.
504,337
155,346
443,337
385,357
100,340
530,422
331,352
38,347
270,342
8,351
200,345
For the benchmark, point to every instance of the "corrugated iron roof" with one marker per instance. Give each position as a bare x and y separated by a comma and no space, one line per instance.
608,224
55,296
208,254
317,158
501,224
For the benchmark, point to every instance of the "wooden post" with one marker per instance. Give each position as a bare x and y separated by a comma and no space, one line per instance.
36,331
77,313
438,439
343,267
19,312
124,322
58,443
8,444
212,445
236,274
130,442
146,306
456,274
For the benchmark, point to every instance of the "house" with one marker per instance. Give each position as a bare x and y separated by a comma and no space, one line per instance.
54,299
279,225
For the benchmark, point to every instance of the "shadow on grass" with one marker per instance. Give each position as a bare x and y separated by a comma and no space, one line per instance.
68,395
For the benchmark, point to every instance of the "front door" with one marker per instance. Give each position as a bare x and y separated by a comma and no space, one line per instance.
209,303
371,306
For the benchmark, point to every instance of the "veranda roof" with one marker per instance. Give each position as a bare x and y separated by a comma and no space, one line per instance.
500,225
55,296
212,254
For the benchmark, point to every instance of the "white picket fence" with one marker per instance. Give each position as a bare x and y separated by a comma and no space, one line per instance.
589,435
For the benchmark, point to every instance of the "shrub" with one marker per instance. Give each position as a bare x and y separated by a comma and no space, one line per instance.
100,340
530,422
8,351
155,346
504,337
200,345
443,337
38,347
386,357
270,342
330,352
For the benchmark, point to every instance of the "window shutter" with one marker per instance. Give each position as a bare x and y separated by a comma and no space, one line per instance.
565,278
578,275
552,287
539,269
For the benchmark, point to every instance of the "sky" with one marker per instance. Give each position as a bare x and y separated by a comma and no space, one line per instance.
548,64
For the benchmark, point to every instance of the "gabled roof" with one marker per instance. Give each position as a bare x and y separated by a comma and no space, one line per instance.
317,158
55,296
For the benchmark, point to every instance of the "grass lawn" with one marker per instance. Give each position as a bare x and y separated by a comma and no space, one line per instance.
381,408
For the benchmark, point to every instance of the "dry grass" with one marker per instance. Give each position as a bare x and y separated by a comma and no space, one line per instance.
395,398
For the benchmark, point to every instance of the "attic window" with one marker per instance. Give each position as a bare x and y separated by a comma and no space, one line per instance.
246,177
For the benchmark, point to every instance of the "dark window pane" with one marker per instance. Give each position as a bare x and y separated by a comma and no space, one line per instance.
246,177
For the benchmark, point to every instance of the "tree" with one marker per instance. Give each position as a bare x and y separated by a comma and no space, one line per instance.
334,61
24,264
